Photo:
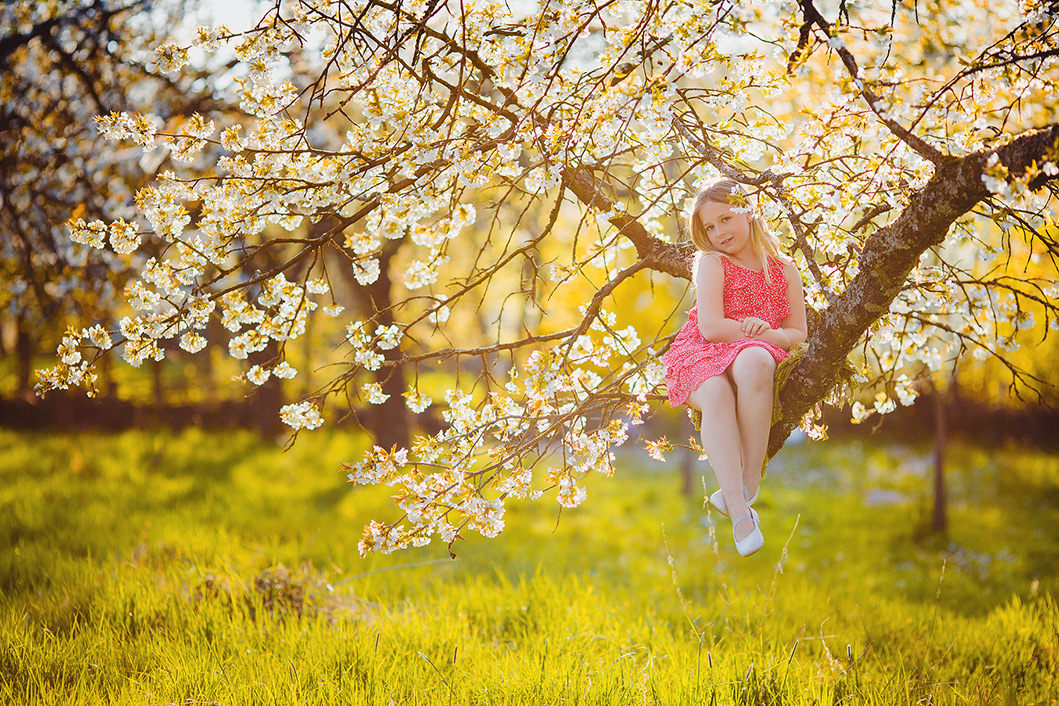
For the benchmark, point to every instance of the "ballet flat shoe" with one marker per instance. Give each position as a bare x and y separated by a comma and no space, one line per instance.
717,500
750,543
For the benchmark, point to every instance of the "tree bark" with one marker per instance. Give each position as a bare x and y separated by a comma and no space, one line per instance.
208,371
158,388
687,472
106,385
267,397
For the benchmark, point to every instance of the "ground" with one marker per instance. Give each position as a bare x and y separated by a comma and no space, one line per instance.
160,568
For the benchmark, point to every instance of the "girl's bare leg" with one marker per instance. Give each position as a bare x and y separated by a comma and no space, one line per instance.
753,372
715,398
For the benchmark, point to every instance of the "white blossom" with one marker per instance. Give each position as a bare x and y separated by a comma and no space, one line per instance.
570,495
389,336
301,415
416,402
170,57
192,342
284,370
258,375
374,393
99,336
366,271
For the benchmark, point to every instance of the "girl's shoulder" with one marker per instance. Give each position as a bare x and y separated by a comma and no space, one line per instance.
706,256
707,265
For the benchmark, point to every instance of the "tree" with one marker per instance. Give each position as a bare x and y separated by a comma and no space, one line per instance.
63,63
870,140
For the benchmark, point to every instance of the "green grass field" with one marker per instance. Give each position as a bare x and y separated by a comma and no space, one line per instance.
216,569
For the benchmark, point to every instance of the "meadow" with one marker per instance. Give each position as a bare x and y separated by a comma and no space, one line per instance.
214,568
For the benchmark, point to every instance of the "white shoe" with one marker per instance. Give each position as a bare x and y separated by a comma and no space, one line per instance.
753,541
717,500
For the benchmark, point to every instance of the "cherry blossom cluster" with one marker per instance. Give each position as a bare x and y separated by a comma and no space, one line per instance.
439,481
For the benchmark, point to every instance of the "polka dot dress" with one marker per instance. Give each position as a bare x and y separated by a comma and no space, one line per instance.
691,359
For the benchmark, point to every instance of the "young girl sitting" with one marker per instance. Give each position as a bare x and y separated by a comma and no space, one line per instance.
749,311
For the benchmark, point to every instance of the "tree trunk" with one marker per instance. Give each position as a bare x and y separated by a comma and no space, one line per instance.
106,385
306,372
268,397
213,333
156,381
687,472
388,423
24,353
889,255
939,523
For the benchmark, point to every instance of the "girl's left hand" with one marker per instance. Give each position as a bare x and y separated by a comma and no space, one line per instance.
753,326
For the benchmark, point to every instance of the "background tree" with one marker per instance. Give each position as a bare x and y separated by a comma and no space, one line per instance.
63,63
565,140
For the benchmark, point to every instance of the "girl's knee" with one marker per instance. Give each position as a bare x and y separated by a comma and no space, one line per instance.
754,366
711,391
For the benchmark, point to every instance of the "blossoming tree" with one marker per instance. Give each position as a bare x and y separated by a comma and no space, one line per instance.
63,63
537,157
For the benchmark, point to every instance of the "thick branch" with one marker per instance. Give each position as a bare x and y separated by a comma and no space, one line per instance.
888,257
660,255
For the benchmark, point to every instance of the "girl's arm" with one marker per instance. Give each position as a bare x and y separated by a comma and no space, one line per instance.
709,298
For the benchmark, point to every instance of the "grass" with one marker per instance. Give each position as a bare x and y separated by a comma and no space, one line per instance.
206,568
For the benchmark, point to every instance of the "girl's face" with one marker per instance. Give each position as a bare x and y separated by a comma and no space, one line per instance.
728,231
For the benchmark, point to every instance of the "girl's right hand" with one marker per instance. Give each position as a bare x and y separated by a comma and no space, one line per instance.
753,326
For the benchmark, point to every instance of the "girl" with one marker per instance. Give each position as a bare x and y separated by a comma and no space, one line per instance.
749,310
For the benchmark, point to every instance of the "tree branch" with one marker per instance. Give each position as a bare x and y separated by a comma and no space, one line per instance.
662,256
925,150
888,256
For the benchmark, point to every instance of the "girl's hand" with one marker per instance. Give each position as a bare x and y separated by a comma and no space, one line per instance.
753,326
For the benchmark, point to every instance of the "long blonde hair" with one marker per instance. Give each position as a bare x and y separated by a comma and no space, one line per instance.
723,190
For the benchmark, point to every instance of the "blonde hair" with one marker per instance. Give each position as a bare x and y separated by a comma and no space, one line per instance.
723,190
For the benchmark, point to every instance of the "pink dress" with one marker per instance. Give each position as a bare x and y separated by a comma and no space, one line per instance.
691,359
